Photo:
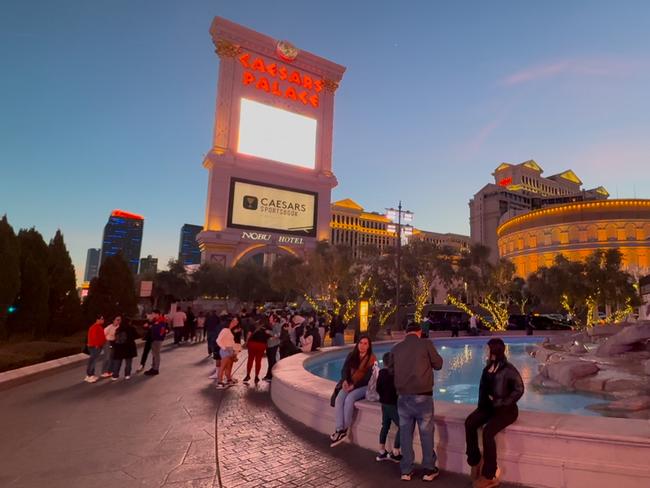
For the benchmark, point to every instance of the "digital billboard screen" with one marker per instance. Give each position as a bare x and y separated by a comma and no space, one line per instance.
272,208
276,134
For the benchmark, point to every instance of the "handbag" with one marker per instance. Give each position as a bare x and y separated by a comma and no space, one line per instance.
337,389
371,392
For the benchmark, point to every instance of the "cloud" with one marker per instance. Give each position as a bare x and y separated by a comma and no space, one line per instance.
597,67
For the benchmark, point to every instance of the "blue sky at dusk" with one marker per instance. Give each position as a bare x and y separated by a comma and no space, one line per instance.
109,105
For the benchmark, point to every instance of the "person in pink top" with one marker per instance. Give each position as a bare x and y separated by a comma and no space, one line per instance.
95,342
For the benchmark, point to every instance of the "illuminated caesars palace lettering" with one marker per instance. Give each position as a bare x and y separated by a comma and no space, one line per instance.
306,88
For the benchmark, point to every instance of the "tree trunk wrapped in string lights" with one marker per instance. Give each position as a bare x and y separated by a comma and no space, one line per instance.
421,293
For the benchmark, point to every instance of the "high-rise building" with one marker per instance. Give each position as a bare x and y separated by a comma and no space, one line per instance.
188,249
123,234
149,265
520,188
92,264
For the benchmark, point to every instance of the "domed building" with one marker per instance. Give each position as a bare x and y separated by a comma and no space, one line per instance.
533,239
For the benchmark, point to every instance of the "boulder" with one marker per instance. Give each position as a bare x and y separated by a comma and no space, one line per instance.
567,372
634,404
591,384
603,330
541,382
625,339
623,384
578,348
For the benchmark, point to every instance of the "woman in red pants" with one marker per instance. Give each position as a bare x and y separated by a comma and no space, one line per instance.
256,345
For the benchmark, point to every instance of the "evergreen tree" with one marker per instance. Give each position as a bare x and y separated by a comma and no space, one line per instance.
9,272
112,292
64,305
32,312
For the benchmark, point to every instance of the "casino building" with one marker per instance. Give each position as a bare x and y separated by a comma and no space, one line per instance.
351,225
520,188
576,229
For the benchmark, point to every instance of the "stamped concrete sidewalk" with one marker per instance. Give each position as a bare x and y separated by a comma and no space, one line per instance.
160,431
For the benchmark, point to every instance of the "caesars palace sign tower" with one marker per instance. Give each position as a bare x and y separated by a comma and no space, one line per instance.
270,165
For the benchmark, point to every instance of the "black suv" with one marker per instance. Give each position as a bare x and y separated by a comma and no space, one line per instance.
540,322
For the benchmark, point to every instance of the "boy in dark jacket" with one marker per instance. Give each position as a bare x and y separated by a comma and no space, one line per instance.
388,399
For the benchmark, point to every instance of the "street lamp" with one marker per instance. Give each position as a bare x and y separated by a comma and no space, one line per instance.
397,216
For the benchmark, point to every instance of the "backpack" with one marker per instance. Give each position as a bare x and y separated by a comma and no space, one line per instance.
121,337
371,392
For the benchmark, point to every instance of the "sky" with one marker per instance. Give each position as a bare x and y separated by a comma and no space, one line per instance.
110,104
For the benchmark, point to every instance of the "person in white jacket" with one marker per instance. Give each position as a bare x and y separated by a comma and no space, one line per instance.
226,343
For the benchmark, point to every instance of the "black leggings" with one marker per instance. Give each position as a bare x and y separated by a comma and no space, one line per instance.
494,420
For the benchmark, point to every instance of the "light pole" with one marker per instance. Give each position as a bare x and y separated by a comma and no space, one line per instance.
399,215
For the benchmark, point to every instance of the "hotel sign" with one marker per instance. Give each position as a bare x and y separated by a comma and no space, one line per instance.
270,238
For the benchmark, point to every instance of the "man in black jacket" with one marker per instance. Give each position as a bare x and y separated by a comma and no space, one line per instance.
414,362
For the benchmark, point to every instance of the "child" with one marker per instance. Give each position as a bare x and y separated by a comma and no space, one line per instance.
388,399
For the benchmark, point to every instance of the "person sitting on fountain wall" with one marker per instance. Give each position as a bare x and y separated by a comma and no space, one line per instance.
500,388
355,376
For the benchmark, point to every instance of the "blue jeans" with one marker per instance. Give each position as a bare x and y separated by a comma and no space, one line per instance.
92,359
344,406
117,365
412,409
339,339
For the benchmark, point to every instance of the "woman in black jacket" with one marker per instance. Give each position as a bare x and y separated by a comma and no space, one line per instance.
500,389
124,349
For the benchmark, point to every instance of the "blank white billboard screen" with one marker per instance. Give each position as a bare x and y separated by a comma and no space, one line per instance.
279,135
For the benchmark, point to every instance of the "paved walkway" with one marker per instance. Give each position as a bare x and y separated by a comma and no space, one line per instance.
160,431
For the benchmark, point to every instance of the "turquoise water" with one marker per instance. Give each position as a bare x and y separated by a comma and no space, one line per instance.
464,361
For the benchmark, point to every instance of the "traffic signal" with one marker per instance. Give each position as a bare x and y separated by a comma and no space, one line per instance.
11,309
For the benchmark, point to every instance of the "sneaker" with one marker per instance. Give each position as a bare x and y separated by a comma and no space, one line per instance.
221,386
140,368
114,378
92,379
396,458
430,474
127,377
246,380
339,437
86,378
382,456
407,476
107,375
267,379
213,376
232,381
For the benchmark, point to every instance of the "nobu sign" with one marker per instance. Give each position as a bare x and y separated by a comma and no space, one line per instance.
261,236
301,87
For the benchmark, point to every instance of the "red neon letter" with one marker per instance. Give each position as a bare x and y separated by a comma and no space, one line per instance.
248,78
272,69
291,93
243,59
283,73
263,84
275,89
258,65
318,84
303,97
295,78
307,82
314,101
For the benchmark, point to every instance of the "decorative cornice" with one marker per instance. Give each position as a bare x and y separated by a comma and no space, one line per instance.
227,49
330,85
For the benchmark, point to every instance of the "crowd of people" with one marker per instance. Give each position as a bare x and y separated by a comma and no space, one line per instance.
404,387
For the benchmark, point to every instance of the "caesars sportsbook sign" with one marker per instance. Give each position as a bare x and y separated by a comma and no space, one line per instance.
272,208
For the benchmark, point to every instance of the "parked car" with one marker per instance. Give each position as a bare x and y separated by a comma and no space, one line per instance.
540,322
